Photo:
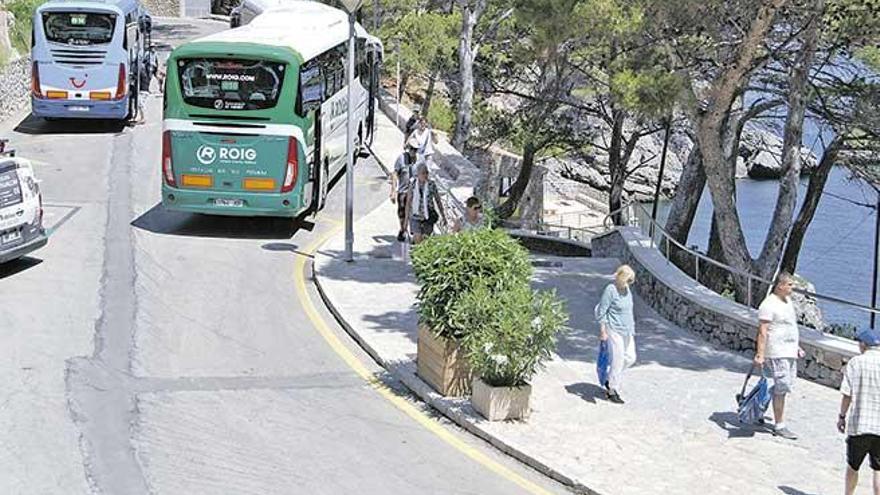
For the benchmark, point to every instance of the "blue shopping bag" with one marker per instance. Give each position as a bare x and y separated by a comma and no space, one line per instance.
603,362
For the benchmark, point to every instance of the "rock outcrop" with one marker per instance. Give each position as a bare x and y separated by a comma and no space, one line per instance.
760,153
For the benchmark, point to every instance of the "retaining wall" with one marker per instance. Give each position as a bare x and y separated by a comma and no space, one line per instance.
719,320
15,79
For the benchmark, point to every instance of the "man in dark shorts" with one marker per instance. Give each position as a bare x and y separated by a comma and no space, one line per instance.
400,178
861,398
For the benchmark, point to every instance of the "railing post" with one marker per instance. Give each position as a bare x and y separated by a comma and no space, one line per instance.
569,233
749,296
667,248
697,267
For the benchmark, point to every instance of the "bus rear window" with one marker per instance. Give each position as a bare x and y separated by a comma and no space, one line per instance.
230,84
79,28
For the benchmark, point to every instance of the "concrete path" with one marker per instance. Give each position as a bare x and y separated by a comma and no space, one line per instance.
153,352
677,433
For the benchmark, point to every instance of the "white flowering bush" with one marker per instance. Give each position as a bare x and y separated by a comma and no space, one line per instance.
510,333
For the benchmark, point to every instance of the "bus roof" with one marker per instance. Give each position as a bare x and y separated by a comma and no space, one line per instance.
309,28
124,6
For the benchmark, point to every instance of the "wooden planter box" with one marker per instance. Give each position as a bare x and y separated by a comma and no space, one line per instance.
440,362
501,403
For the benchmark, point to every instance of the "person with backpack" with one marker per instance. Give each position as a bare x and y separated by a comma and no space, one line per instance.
423,204
400,178
617,327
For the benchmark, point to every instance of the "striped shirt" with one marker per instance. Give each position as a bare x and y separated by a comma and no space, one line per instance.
861,382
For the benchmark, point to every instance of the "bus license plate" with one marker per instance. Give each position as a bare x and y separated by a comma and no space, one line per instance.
78,109
10,237
237,203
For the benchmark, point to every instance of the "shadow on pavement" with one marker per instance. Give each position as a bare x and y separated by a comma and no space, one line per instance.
728,421
158,220
279,247
17,266
37,126
787,490
586,391
657,340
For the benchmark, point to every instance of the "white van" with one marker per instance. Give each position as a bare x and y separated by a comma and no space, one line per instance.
21,210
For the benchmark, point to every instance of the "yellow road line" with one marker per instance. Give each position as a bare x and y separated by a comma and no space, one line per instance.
405,406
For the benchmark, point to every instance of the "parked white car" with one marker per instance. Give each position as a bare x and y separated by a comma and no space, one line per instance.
21,209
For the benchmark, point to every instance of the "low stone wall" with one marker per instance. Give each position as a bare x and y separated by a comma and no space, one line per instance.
719,320
15,79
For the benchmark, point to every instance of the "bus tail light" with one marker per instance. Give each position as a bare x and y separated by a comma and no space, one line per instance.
167,168
35,81
121,84
99,95
292,166
259,184
56,95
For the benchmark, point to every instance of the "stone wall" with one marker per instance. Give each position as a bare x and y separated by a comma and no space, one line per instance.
719,320
497,165
15,79
163,8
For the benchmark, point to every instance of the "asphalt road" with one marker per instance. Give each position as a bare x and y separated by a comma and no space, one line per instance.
149,352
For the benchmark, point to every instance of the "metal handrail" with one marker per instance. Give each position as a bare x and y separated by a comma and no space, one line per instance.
656,227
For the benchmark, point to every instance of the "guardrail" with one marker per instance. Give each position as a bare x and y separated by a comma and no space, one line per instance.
633,214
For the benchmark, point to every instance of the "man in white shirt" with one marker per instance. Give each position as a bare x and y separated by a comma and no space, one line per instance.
778,347
861,390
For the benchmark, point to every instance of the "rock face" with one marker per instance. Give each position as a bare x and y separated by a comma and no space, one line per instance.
593,169
7,21
808,312
761,153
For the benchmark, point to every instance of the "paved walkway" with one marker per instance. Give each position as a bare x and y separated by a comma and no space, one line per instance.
677,433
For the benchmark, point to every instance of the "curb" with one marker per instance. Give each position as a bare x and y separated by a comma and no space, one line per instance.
424,392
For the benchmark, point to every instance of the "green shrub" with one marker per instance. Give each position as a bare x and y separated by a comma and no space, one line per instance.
448,266
441,116
510,333
23,10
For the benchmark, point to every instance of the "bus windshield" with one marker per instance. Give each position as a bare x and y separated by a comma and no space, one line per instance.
230,84
79,28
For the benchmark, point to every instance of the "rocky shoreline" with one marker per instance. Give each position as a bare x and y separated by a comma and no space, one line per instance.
759,158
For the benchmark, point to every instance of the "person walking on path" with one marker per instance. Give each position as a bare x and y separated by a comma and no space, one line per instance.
861,399
472,218
400,178
778,347
425,138
411,122
422,204
617,326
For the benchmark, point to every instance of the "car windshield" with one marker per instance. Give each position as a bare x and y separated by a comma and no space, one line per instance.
79,28
10,189
230,84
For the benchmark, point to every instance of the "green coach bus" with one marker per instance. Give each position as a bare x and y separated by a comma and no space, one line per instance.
255,117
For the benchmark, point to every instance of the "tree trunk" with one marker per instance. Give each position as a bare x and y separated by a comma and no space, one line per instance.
616,167
786,202
429,93
811,204
518,188
687,198
404,80
710,124
470,15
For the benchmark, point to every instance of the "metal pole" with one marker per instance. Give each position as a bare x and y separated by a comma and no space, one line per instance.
349,149
376,15
668,124
876,261
399,89
749,296
697,267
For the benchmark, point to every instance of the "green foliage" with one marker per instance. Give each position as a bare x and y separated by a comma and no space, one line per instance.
441,115
511,333
845,330
427,39
23,10
449,266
